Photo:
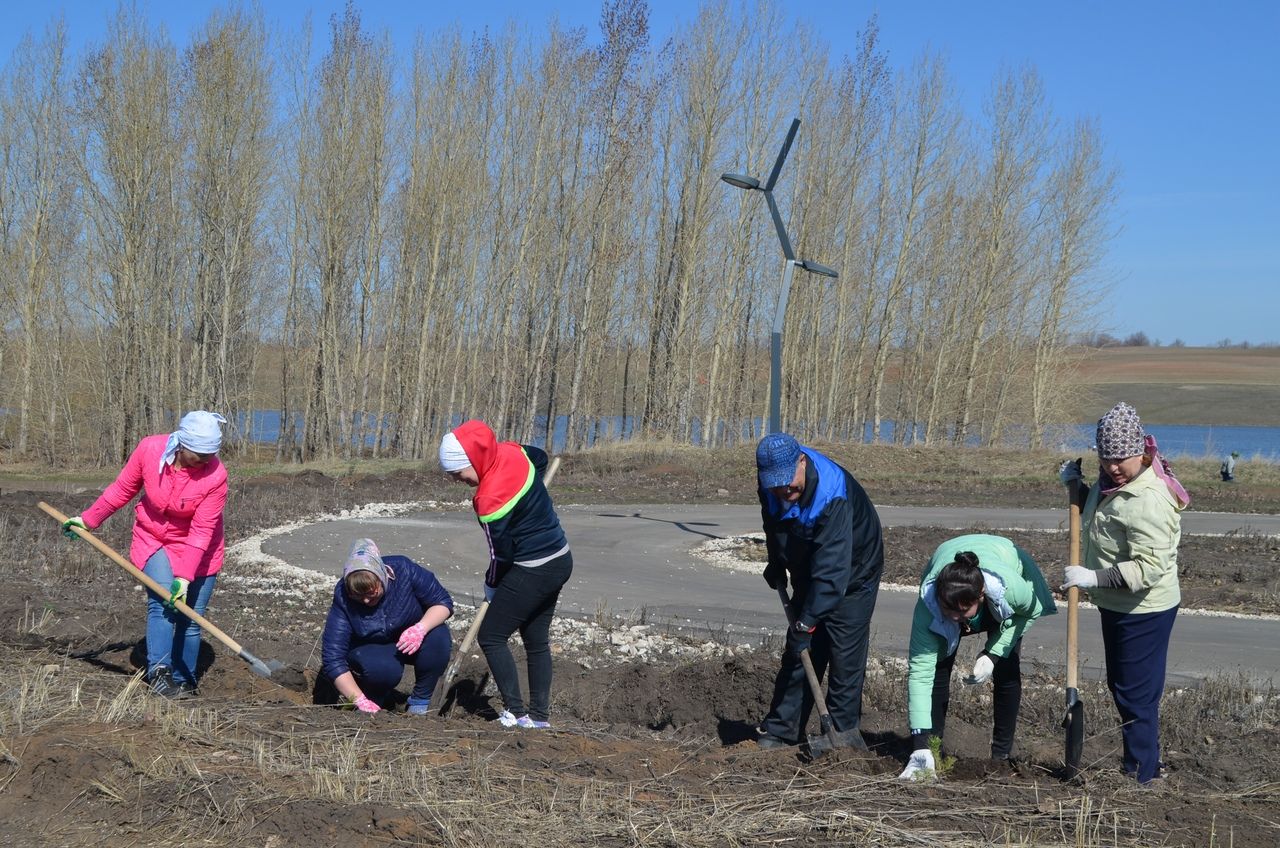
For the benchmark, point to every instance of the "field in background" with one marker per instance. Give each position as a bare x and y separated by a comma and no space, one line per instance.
1205,386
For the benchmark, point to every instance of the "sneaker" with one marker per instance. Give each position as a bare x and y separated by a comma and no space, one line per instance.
163,684
419,709
525,721
506,719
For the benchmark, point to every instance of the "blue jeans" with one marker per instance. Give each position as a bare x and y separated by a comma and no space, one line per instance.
173,640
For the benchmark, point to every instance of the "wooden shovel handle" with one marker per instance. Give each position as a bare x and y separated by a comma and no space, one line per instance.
1073,596
137,574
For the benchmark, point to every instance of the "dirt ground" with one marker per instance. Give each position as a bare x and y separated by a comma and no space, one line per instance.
644,753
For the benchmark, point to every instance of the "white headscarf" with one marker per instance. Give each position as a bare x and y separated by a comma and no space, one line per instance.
198,431
452,456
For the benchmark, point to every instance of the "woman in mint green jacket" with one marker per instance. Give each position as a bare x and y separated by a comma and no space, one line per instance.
972,584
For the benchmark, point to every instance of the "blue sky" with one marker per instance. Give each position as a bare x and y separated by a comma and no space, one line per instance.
1187,95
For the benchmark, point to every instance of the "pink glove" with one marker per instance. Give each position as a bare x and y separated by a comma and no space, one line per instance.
411,639
364,705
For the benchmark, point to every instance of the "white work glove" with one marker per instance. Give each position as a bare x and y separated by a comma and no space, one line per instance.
921,760
981,670
1078,576
1069,472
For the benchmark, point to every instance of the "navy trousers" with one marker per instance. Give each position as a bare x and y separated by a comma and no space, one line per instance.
1137,650
378,666
840,642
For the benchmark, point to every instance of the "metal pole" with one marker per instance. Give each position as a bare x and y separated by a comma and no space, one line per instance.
775,349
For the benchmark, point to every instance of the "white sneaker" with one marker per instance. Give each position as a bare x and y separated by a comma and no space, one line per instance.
506,719
525,721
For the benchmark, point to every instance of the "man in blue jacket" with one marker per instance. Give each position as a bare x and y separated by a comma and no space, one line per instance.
822,531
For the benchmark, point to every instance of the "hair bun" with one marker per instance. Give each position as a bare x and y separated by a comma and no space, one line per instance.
968,558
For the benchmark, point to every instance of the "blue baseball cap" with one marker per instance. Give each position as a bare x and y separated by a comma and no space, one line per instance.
776,458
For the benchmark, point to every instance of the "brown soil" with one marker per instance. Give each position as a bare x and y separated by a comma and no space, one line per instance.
652,753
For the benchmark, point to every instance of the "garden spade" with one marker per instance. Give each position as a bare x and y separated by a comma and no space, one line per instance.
470,638
830,739
259,667
1073,719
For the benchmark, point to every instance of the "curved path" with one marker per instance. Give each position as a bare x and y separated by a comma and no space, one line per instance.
637,560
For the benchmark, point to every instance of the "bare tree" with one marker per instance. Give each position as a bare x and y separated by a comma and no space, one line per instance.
1080,194
39,224
227,105
130,150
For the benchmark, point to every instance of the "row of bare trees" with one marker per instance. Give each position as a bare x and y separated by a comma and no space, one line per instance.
528,227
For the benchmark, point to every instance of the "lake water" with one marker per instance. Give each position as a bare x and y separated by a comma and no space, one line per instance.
1174,439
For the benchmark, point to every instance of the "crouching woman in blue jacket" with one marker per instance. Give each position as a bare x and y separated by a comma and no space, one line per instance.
387,612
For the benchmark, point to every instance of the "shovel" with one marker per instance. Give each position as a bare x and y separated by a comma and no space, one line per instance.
829,739
470,638
258,666
1073,719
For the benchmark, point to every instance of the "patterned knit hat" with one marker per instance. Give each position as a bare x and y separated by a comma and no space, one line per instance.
1120,433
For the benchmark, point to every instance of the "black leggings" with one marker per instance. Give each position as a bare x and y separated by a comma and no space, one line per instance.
1006,697
526,601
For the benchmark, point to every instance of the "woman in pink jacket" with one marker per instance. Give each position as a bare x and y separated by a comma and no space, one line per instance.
177,537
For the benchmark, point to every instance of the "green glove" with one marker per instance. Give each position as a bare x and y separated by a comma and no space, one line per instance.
72,522
177,591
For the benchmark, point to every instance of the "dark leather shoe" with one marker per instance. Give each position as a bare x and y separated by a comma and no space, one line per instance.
767,740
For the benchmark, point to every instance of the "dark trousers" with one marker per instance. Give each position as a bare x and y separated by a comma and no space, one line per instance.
1006,695
525,600
1137,651
378,666
841,643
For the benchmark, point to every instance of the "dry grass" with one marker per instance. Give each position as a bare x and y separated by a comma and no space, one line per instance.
213,773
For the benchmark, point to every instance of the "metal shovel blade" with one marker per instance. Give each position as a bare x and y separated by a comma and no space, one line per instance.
828,742
1073,723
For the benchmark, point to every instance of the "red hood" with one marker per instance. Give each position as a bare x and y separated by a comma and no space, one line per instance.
504,470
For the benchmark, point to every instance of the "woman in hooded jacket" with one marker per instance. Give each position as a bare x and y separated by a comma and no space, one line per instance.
977,584
529,561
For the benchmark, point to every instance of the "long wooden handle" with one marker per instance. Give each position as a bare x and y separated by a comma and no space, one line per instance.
1073,597
137,574
815,685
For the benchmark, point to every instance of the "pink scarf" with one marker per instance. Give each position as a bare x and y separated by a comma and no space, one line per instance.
1151,457
1160,466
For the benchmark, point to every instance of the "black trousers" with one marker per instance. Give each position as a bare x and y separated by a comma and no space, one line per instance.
526,601
1006,697
840,643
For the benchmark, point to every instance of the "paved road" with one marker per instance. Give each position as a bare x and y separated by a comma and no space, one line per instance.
637,558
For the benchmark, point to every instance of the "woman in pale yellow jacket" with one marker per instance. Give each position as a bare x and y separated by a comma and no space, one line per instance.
1129,551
